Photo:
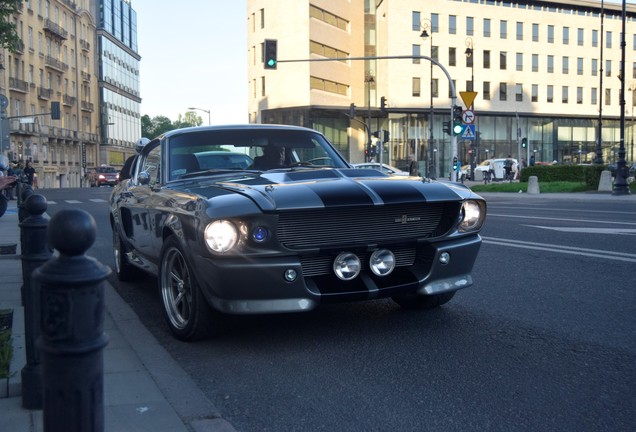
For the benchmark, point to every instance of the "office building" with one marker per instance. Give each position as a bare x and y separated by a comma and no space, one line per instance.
545,73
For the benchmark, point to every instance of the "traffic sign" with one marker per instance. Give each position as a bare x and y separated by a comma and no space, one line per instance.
468,97
468,117
469,132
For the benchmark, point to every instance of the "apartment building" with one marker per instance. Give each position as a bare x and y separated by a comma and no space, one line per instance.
545,73
81,54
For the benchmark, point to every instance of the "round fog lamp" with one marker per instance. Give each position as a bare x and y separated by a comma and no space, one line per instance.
382,262
260,234
444,258
346,266
290,275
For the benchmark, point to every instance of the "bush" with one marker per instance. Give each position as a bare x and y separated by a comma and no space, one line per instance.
588,174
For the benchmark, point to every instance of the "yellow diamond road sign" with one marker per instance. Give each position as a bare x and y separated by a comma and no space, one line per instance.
468,98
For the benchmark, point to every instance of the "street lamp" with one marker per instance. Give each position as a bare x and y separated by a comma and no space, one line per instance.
369,80
205,111
632,88
470,59
427,32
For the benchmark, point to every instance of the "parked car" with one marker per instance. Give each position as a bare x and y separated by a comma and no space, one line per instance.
103,175
232,239
385,168
499,168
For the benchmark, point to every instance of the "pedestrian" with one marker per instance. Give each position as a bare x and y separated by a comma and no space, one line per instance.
29,172
532,160
491,170
9,190
508,163
413,166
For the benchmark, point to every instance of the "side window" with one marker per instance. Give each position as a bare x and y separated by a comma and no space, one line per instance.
151,165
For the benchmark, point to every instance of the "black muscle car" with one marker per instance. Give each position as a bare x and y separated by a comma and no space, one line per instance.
269,219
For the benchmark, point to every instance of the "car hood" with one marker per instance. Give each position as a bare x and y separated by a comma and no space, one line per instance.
304,189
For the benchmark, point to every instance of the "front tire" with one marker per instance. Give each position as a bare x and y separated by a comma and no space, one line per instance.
423,302
186,311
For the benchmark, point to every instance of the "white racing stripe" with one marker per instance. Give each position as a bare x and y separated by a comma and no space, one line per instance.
616,256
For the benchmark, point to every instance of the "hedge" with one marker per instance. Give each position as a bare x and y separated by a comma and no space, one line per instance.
588,174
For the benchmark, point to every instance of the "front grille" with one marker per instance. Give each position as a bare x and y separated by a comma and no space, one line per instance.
330,227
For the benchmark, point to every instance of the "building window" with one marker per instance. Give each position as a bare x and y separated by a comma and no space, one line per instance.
503,29
564,94
416,53
486,91
579,66
608,39
415,21
550,34
608,68
519,30
262,11
469,60
416,91
594,38
634,70
535,32
565,68
327,51
316,83
502,60
449,88
434,23
486,59
519,66
579,95
535,93
550,94
519,92
486,27
593,96
594,67
535,62
435,87
452,59
470,26
263,92
634,43
580,33
550,64
328,17
469,86
608,96
435,53
452,24
503,91
566,35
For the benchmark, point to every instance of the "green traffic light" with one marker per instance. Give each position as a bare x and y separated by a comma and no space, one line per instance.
271,62
458,129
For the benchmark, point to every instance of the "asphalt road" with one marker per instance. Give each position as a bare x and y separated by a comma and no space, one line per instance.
544,340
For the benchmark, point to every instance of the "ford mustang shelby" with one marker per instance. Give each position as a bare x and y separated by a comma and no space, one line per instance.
269,219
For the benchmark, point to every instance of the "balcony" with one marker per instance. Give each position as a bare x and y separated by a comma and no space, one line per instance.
87,106
44,93
86,46
16,84
55,64
86,76
55,30
19,47
68,100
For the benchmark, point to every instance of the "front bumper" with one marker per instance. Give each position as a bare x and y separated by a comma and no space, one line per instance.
241,286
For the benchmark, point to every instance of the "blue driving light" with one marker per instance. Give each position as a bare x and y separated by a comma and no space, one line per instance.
260,234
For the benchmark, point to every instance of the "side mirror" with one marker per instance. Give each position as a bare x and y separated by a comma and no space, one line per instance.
143,178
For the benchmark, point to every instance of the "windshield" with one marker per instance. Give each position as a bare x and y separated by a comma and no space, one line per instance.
249,149
104,170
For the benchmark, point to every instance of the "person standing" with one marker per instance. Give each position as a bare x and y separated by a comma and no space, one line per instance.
29,172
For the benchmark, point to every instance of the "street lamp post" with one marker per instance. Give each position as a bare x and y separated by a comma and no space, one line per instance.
427,32
632,90
205,111
470,57
369,80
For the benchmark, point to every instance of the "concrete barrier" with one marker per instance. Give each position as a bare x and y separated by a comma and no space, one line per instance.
533,185
605,183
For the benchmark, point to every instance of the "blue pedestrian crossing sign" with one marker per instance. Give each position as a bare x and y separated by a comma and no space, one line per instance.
469,132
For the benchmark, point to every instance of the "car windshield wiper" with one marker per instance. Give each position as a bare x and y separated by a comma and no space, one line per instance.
217,172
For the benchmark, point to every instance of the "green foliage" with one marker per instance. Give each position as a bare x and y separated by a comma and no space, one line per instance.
9,38
587,174
153,127
550,187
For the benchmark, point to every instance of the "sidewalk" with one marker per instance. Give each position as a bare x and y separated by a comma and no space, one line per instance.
145,389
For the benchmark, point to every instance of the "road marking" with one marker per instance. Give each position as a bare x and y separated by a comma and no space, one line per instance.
588,230
563,219
73,201
98,200
616,256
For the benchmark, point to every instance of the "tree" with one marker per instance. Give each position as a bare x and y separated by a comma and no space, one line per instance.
151,128
9,38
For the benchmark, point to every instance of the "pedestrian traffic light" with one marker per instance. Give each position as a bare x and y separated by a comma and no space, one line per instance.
55,110
447,128
458,124
383,104
524,142
270,54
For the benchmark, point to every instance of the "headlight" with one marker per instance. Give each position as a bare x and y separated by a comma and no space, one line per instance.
221,236
472,216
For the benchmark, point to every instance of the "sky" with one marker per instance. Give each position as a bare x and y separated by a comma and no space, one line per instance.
193,54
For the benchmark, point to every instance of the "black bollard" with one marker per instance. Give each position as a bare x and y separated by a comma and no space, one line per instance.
72,335
35,252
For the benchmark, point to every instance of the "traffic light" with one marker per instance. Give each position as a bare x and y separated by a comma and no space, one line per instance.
352,110
270,54
524,142
55,110
385,138
383,104
458,125
447,128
